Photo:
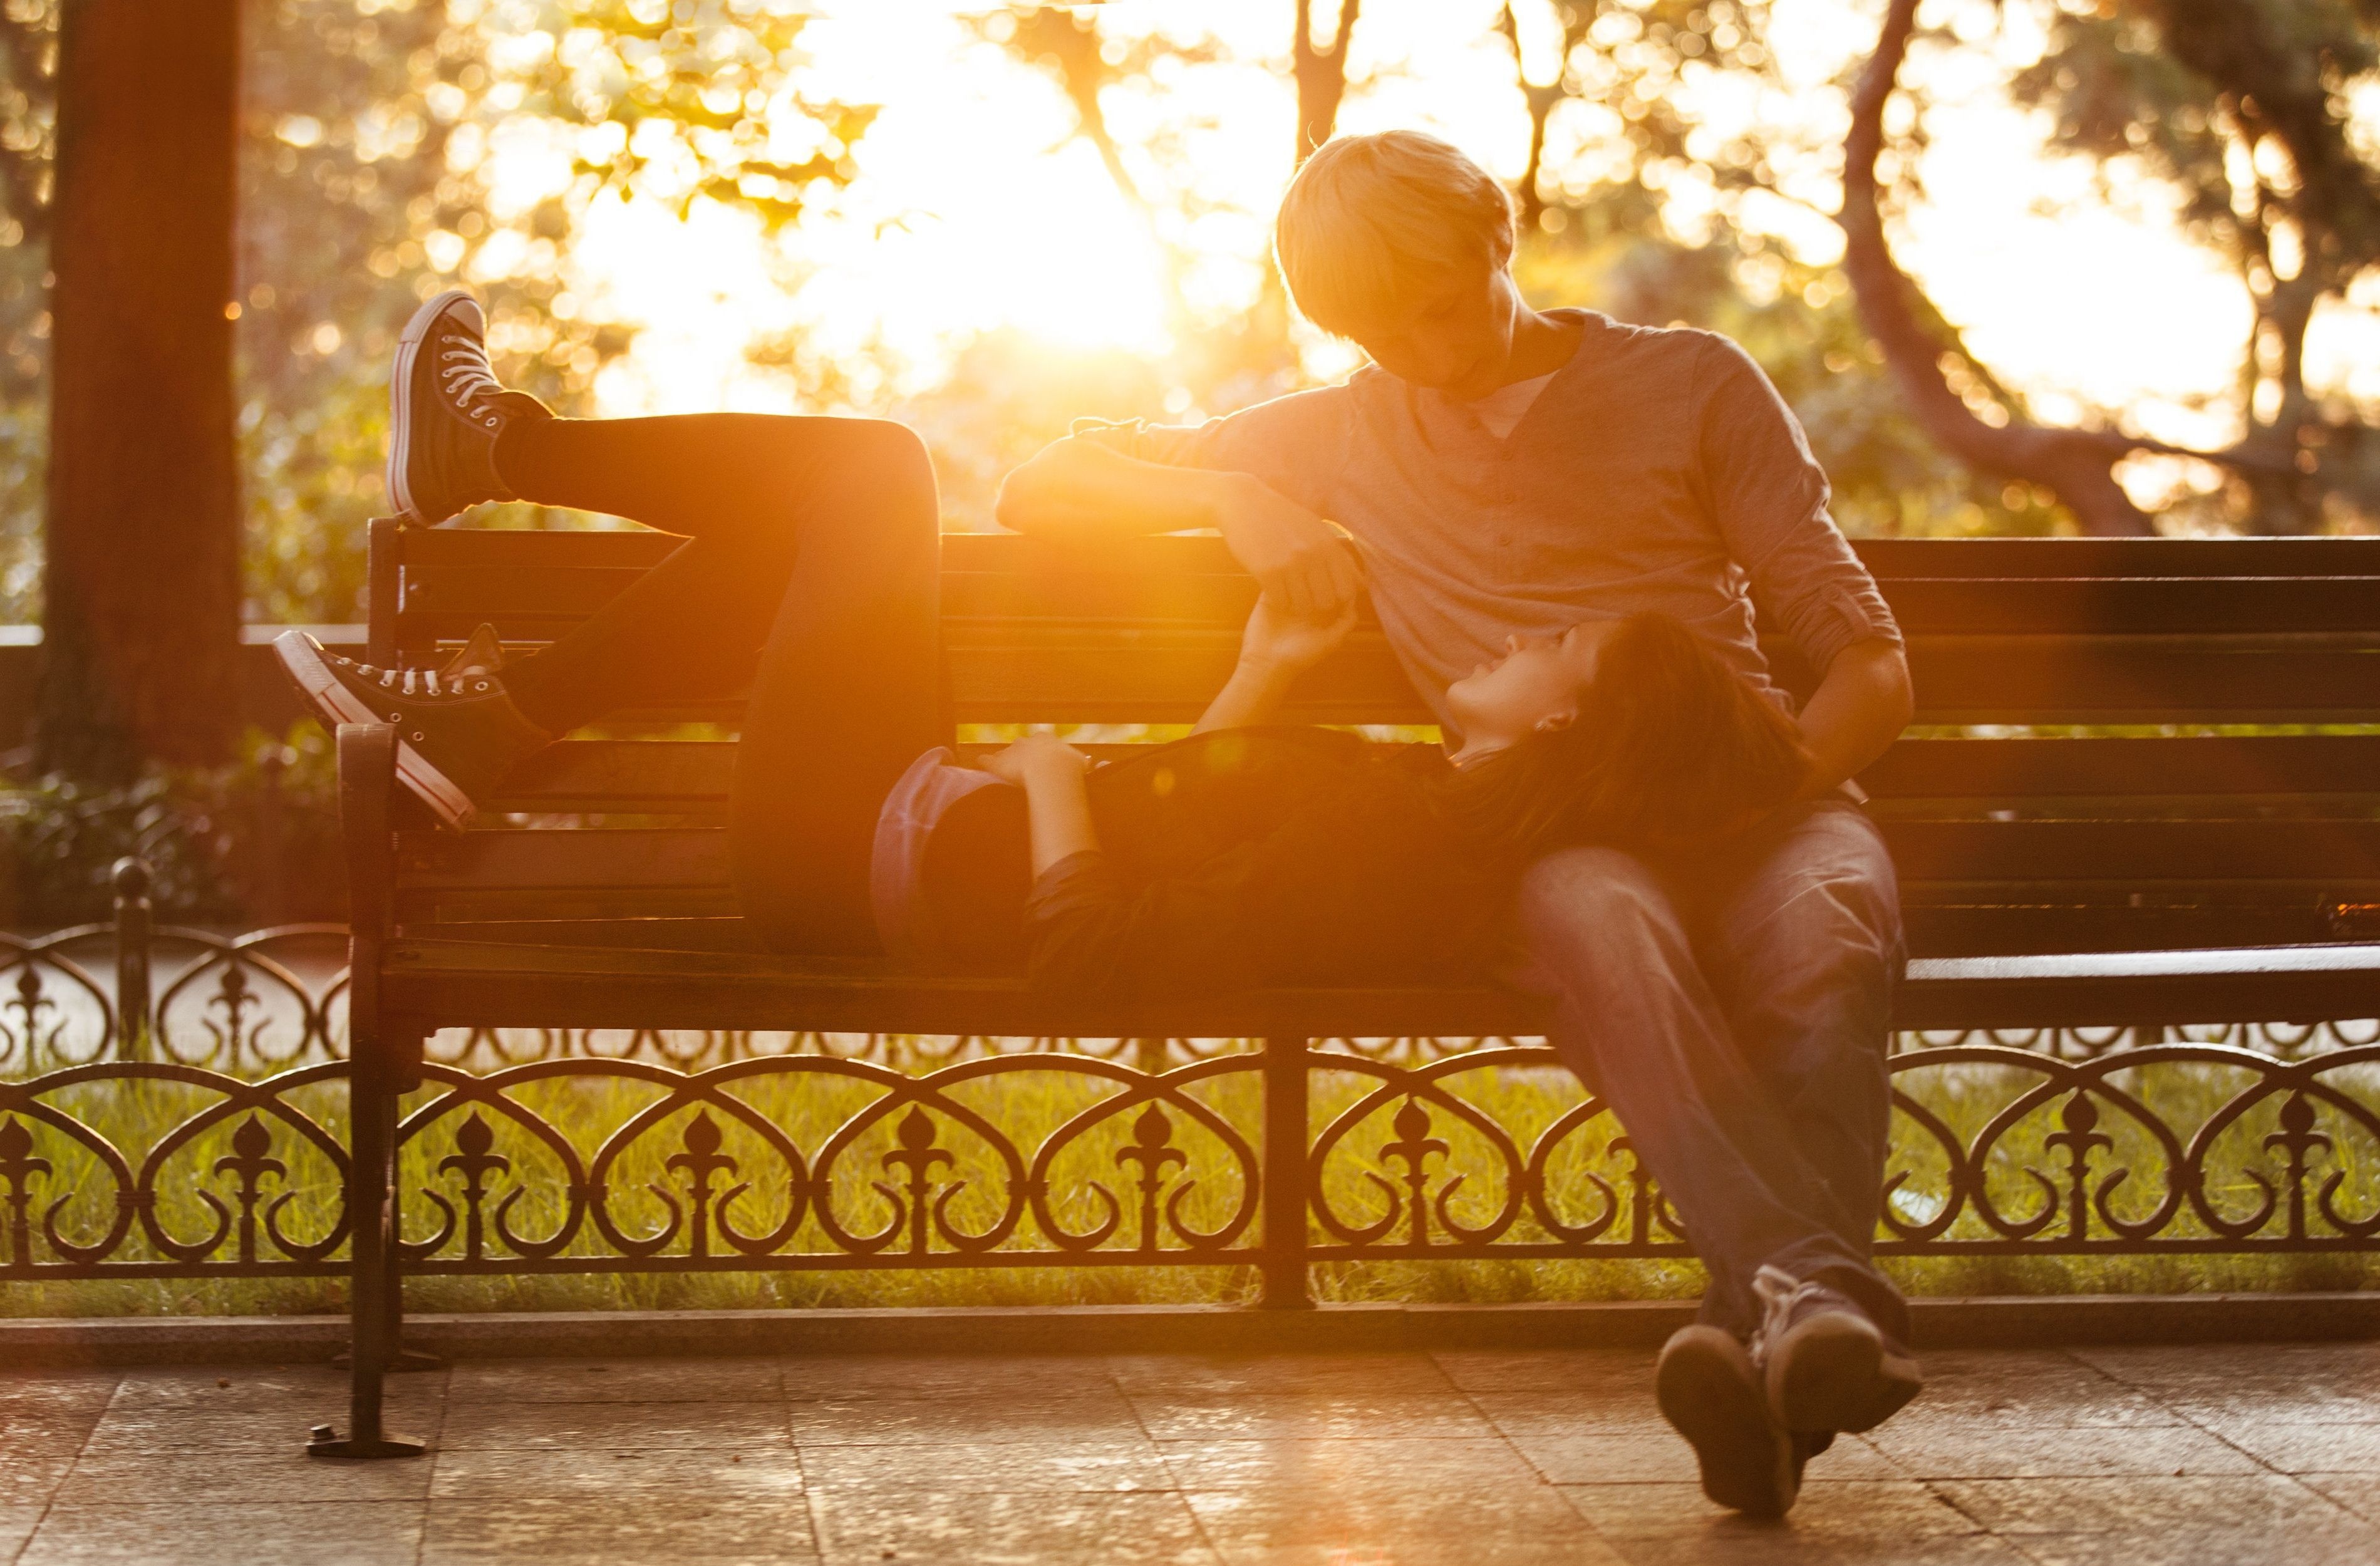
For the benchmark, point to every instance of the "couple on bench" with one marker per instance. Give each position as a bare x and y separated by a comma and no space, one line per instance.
1561,522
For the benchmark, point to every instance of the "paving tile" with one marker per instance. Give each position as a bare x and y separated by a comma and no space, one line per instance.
680,1530
2288,1546
1290,1417
864,1527
359,1533
1991,1452
58,1389
2030,1389
2307,1448
2299,1383
1044,1467
618,1426
195,1410
586,1380
1723,1540
1898,1510
1568,1413
1615,1371
237,1476
30,1475
1198,1377
1662,1456
1340,1466
16,1527
1416,1524
2252,1503
927,1376
2354,1492
596,1473
871,1421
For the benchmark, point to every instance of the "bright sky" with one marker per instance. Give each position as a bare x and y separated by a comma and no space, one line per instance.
977,209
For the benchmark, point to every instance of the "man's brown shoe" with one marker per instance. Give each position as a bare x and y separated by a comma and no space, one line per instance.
1709,1391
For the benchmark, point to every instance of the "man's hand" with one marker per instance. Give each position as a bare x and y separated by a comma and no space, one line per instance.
1298,559
1276,640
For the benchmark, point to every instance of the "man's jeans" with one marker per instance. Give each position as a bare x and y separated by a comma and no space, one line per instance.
1734,1015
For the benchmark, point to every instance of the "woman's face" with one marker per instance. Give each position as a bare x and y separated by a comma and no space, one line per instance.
1534,687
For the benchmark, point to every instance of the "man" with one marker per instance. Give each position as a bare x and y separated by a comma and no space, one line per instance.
1506,473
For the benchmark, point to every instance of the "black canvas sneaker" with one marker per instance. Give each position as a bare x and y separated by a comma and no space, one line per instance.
456,738
1710,1391
446,407
1825,1364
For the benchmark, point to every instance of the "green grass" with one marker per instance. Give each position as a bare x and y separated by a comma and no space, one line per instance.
1029,1104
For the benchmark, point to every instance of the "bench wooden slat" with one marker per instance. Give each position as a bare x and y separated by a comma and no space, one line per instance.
631,774
2162,767
499,985
619,775
1888,558
564,860
2050,853
532,602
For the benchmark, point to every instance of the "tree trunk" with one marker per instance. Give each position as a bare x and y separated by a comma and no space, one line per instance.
1321,75
2075,464
140,618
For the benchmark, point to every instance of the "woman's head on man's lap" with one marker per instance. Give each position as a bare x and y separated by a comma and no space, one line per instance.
1655,741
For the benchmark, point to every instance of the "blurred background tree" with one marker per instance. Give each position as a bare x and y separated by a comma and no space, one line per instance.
372,131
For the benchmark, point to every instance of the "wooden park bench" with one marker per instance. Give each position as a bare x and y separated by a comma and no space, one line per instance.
2171,873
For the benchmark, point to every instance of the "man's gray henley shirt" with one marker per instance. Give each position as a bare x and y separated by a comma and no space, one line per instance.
1658,471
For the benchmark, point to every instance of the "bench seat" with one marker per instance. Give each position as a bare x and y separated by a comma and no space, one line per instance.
515,984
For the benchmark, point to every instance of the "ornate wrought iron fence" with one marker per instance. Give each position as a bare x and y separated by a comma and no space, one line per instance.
822,1161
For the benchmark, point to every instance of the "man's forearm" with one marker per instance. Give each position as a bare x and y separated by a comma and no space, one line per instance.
1855,714
1079,488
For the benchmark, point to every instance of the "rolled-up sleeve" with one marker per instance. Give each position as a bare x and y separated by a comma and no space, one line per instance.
1296,444
1768,496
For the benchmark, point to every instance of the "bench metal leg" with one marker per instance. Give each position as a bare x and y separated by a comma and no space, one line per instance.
375,1303
1283,1258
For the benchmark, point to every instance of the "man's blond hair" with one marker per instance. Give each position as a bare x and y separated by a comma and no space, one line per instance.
1372,222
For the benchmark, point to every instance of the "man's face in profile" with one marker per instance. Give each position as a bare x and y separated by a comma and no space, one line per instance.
1456,337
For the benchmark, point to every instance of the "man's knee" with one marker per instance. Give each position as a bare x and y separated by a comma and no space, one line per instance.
1597,904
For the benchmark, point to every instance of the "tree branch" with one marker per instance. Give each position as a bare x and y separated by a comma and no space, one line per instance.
2075,464
1321,75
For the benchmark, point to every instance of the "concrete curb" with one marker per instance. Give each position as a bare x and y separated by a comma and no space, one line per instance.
2069,1321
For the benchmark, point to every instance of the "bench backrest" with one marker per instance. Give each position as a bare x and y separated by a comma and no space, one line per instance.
2031,842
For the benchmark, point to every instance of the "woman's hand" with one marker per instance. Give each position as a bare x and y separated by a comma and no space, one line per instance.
1285,643
1057,805
1036,757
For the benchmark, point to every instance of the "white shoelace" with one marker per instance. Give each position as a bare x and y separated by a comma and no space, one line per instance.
1779,1294
465,382
413,681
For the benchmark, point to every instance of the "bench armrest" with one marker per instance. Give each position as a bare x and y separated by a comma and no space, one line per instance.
367,787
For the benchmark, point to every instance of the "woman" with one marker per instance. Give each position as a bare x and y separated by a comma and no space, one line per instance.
1245,855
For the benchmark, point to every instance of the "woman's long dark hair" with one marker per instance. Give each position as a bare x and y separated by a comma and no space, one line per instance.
1671,747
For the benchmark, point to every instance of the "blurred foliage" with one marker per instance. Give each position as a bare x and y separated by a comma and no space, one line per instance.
369,124
2241,109
256,840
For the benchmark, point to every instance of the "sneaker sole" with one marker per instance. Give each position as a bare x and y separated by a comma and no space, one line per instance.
1835,1373
1746,1466
400,385
333,704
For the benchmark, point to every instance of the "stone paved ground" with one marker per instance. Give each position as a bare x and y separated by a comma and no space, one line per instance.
2192,1456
